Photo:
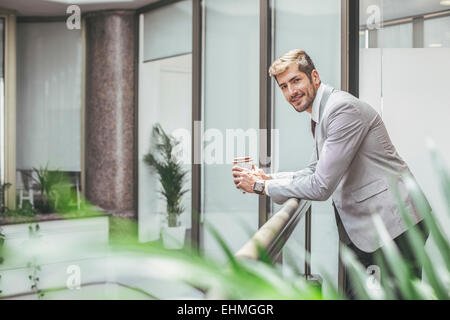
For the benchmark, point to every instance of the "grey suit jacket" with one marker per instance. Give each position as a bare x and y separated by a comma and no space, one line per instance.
352,162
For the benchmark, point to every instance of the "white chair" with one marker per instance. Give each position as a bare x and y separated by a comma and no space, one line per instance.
24,185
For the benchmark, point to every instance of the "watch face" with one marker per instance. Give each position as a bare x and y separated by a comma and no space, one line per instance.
259,186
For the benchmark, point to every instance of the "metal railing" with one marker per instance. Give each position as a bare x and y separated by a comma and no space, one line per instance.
273,235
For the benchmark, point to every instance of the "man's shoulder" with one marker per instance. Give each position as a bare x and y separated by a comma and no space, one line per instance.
341,100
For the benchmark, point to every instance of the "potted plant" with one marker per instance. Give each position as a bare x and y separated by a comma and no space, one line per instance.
54,188
172,177
3,189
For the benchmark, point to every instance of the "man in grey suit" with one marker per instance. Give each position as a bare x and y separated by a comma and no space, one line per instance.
352,162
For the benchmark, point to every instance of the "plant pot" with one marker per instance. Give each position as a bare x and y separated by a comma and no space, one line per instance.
173,237
43,206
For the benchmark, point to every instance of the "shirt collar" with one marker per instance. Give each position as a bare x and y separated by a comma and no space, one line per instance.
316,104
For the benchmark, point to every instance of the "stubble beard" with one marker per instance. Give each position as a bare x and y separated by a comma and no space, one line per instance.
310,101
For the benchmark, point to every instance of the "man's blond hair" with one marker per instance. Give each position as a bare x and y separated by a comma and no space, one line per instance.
296,56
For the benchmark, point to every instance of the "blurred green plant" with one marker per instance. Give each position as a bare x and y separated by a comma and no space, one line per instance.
236,279
247,279
33,266
57,196
2,243
171,174
56,190
436,268
3,210
27,210
46,180
3,189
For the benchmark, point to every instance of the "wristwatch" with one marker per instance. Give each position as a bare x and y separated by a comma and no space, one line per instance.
258,187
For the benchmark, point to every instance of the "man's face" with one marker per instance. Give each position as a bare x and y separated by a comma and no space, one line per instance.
297,88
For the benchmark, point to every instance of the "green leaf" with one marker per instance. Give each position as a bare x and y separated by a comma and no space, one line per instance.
356,273
333,292
394,261
416,242
442,172
230,256
430,220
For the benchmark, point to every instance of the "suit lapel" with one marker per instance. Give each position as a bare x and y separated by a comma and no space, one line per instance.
326,95
318,136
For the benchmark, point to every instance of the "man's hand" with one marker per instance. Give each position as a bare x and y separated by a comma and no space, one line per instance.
245,179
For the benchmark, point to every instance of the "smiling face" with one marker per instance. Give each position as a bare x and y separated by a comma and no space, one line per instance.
298,89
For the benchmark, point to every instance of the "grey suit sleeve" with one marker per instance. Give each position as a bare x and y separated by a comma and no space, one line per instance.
310,169
293,175
346,129
281,175
304,172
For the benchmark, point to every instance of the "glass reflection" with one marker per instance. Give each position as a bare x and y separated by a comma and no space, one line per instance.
2,100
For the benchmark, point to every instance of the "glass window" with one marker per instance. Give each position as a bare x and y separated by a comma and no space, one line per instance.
48,127
437,33
231,117
313,26
165,97
363,38
168,31
409,86
2,100
397,36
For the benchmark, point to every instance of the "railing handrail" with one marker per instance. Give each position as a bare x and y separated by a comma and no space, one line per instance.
272,236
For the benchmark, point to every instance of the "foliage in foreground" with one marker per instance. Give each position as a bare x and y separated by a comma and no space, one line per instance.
243,279
436,269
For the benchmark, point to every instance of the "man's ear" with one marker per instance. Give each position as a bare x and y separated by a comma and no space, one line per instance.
315,78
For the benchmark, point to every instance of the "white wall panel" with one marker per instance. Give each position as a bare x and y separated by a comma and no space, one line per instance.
416,106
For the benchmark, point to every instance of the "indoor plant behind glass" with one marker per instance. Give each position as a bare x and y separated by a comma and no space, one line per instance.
55,190
172,177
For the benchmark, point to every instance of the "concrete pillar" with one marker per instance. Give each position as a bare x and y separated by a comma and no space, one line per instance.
111,43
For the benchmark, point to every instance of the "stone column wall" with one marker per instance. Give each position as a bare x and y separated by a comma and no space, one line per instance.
111,42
